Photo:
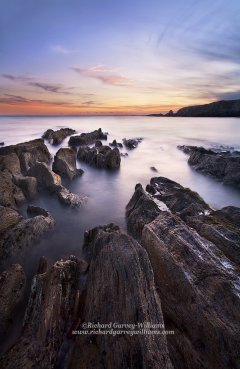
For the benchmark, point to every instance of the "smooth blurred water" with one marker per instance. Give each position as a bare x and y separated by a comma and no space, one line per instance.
109,192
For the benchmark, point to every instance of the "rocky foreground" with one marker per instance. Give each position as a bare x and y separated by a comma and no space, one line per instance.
176,267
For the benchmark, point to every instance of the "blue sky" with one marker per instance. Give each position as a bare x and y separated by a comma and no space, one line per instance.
109,57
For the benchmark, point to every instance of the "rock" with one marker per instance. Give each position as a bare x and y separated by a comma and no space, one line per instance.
28,153
131,143
154,169
28,185
65,163
42,266
221,230
169,114
36,210
140,210
70,199
199,295
10,194
98,143
11,163
119,288
57,137
198,286
116,144
24,233
83,266
100,157
124,155
8,218
224,108
46,178
87,138
1,143
222,166
47,319
12,285
180,200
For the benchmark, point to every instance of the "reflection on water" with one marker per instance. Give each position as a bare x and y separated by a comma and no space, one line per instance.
109,192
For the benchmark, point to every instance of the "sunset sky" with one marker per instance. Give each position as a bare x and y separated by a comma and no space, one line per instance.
117,57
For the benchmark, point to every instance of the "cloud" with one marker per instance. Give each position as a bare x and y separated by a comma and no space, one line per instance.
13,78
30,81
105,75
16,100
63,50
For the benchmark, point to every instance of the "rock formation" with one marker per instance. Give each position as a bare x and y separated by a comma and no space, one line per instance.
12,285
100,157
57,137
196,280
87,138
119,288
65,164
223,166
224,108
131,143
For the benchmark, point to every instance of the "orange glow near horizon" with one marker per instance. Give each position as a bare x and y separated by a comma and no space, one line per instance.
40,108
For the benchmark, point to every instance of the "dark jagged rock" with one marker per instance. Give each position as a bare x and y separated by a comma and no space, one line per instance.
154,169
11,163
70,199
100,157
28,185
131,143
119,288
179,200
223,166
116,144
1,143
10,194
65,163
46,178
36,210
140,210
198,286
8,218
87,138
224,108
47,319
21,233
57,137
51,181
28,153
12,284
124,155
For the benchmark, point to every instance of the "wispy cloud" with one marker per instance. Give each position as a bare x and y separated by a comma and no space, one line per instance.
63,50
30,81
16,100
105,75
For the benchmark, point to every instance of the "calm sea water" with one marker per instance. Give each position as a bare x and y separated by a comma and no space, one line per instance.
110,192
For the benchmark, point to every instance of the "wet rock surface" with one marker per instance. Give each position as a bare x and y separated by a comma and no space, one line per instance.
12,285
57,137
131,143
223,166
65,164
87,138
100,157
195,277
116,144
28,153
119,288
47,318
19,233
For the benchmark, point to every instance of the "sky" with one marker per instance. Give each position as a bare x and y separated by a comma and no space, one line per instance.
117,57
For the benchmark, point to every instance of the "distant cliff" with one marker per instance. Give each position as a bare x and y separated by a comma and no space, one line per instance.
224,108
